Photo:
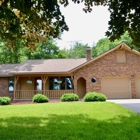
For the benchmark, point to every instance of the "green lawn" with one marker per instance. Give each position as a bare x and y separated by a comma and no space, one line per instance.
68,121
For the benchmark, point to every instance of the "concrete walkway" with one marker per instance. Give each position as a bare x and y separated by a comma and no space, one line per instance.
132,104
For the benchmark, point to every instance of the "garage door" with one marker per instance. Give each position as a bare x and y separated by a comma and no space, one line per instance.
137,85
116,87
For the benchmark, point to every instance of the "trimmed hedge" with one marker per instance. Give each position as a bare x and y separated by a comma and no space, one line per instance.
5,101
69,97
94,96
39,98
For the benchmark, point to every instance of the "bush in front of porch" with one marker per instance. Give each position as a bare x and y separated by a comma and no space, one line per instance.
5,101
94,96
39,98
69,97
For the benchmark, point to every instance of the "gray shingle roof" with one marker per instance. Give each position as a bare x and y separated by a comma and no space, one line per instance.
6,68
41,66
50,65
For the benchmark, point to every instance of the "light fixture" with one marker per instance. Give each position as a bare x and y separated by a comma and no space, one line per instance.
29,81
59,80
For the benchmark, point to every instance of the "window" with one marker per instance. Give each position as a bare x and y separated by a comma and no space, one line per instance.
69,83
39,85
11,84
60,83
93,80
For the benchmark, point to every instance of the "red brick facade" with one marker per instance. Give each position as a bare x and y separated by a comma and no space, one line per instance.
108,66
4,85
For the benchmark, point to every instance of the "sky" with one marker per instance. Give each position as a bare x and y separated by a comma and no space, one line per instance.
86,28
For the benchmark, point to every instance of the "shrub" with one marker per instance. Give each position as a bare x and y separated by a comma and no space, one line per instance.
94,96
39,98
69,97
5,101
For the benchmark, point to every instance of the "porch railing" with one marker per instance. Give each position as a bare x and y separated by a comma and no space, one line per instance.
28,94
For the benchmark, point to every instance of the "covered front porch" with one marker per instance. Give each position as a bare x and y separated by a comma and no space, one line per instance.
28,94
53,86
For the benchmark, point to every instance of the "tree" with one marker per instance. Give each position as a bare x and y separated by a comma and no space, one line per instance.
35,19
78,50
124,16
14,54
102,46
18,53
46,50
105,44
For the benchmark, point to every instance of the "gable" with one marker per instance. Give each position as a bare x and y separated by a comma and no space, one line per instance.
121,56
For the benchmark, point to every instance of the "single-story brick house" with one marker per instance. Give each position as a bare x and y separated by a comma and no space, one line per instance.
115,73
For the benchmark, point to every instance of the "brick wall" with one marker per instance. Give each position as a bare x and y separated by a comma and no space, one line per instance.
4,88
108,66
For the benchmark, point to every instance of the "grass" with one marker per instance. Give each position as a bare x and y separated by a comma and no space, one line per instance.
68,121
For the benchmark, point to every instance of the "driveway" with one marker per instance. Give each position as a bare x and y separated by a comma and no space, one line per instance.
132,104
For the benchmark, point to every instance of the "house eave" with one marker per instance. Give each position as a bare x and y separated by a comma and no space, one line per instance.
10,75
39,73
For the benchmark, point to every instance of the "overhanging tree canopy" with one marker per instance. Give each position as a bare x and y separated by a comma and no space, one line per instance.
32,19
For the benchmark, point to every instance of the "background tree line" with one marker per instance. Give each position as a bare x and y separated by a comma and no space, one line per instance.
50,50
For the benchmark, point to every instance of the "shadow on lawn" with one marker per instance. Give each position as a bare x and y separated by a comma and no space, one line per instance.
65,127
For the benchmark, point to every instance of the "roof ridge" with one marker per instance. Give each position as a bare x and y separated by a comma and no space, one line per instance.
54,59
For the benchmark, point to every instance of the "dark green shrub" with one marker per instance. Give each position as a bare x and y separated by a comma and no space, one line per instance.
69,97
5,101
39,98
94,96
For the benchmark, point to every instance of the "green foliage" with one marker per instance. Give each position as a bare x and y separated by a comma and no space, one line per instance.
104,44
47,50
94,96
77,50
62,54
39,98
5,100
124,16
38,18
69,97
17,53
31,19
13,53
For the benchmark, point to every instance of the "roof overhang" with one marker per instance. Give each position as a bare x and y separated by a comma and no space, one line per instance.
37,73
6,75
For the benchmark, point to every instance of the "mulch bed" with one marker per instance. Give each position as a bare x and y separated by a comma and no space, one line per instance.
21,102
30,102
